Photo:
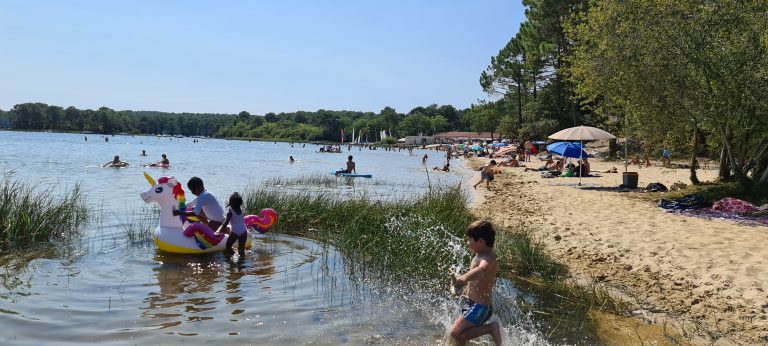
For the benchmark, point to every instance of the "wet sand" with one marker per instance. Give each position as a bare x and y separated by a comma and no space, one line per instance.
703,277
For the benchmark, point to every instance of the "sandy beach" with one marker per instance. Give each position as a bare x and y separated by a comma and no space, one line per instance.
703,276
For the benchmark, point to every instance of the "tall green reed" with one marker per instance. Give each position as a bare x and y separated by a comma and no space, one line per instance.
31,215
413,236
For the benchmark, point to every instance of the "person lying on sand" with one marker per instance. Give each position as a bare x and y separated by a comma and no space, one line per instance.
612,170
512,162
548,166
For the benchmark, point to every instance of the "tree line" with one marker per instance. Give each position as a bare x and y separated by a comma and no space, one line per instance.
321,125
691,76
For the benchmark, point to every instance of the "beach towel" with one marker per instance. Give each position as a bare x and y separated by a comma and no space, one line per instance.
734,205
708,213
687,202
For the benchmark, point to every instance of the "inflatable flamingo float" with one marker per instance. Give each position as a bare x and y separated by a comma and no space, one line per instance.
179,234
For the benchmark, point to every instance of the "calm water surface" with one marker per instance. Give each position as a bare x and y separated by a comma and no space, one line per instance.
287,291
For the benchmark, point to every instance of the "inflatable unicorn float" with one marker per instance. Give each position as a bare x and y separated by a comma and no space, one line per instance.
187,235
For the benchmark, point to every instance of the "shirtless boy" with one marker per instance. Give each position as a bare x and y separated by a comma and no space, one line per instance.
477,285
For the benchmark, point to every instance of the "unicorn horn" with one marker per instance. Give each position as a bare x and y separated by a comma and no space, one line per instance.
149,179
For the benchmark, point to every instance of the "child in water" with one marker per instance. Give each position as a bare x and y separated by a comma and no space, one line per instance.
477,285
238,231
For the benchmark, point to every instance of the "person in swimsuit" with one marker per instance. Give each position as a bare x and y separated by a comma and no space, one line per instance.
238,232
164,162
486,174
477,286
116,162
350,167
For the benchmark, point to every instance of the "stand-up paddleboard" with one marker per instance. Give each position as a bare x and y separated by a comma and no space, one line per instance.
352,175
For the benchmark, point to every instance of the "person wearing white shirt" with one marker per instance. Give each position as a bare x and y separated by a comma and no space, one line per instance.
204,205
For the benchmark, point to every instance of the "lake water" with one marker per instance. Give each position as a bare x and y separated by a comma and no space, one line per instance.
287,291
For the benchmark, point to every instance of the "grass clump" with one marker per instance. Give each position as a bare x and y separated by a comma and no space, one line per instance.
423,235
417,237
30,215
139,226
518,253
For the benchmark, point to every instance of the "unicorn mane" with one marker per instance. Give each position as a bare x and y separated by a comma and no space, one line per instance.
178,193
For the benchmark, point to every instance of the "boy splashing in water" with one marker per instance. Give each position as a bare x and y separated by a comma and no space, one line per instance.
477,285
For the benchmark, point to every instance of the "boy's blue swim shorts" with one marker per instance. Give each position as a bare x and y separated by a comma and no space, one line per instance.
475,313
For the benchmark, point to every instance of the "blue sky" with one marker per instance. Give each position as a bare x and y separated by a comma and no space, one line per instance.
258,56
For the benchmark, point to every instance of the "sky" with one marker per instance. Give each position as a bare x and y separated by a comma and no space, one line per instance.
255,56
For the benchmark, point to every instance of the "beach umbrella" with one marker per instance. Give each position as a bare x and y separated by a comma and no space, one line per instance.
476,148
567,149
500,144
581,134
504,151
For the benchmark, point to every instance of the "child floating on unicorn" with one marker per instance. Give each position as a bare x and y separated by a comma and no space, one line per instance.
238,231
204,205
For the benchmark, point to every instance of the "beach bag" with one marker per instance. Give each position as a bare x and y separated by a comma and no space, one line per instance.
656,187
734,205
687,202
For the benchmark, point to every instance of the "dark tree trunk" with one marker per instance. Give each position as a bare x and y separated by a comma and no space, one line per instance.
725,167
694,151
519,107
613,147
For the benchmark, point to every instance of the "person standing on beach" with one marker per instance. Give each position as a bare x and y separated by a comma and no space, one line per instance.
477,286
424,159
486,174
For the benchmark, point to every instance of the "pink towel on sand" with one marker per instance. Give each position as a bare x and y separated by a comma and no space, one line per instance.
734,205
